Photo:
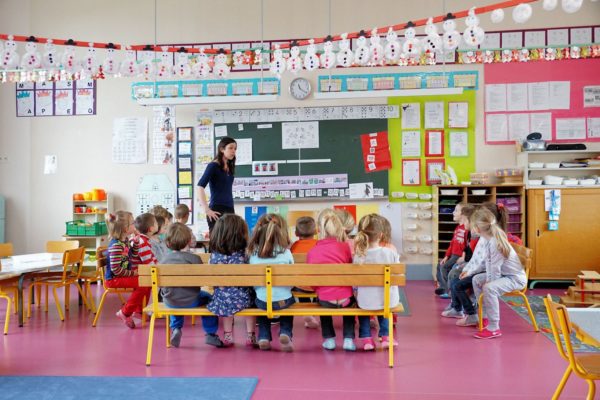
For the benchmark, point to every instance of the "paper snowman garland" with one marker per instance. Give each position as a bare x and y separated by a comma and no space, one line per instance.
202,68
488,56
146,67
345,57
522,13
575,52
31,59
473,35
221,69
451,37
68,61
311,60
549,5
392,47
238,59
376,49
129,65
432,42
90,62
165,65
411,46
182,64
294,63
362,54
10,58
571,6
328,57
110,65
523,55
497,16
278,65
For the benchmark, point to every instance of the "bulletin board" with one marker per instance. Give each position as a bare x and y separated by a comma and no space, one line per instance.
462,162
578,73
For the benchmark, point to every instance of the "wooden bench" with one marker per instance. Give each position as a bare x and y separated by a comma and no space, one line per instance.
179,275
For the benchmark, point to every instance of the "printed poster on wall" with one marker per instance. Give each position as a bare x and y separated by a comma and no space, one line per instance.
163,135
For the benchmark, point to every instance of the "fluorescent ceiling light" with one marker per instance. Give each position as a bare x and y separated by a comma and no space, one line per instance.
173,101
386,93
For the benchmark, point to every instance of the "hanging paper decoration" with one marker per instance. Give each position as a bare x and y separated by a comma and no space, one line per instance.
294,63
524,55
129,65
473,35
432,42
165,65
311,60
345,57
10,58
202,68
362,54
392,47
182,68
147,63
549,5
328,56
90,62
411,46
31,59
451,37
68,61
522,13
571,6
110,65
575,52
50,57
238,59
497,15
278,64
376,49
221,69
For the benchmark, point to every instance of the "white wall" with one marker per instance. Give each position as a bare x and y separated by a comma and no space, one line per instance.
38,205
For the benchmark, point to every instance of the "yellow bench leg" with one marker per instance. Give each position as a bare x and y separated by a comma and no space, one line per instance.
150,339
167,331
391,340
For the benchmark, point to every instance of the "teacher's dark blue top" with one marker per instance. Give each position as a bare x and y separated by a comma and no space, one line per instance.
220,184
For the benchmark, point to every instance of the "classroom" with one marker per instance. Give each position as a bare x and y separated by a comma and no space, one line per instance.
471,128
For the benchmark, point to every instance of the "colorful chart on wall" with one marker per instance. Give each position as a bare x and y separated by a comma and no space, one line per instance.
418,150
61,98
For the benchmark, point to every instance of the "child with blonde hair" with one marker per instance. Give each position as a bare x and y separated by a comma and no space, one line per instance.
228,241
333,249
368,250
503,270
269,244
348,223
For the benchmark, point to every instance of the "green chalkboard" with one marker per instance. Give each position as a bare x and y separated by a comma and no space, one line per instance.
339,140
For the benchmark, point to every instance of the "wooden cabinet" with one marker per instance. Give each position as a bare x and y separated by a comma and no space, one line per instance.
445,198
574,247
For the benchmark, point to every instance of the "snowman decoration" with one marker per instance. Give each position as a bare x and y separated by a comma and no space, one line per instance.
311,60
345,57
392,47
507,56
110,65
523,55
68,61
201,69
451,37
31,59
238,59
90,62
328,58
182,64
411,46
474,34
376,49
575,52
488,56
362,54
129,65
10,58
278,64
550,54
294,63
165,65
221,69
147,64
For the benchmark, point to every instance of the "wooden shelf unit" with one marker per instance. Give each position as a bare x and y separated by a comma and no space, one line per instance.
524,158
91,242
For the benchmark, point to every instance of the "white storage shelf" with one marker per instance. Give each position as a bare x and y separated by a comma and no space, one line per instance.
544,157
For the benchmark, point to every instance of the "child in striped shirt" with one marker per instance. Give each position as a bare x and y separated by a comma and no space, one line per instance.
146,226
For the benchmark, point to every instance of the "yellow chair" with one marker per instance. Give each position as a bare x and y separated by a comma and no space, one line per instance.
6,287
525,256
60,246
586,366
72,265
6,250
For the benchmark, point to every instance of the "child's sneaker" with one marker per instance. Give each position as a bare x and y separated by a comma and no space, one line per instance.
487,334
468,320
385,342
368,344
452,313
444,296
439,290
127,320
251,340
227,339
137,318
329,344
213,340
286,343
264,344
349,344
311,322
176,337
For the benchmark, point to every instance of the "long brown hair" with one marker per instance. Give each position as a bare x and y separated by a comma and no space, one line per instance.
220,151
370,228
330,225
270,237
230,234
485,221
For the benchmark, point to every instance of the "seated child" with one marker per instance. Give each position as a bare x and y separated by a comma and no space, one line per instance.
178,237
349,224
453,253
182,215
228,242
146,226
159,248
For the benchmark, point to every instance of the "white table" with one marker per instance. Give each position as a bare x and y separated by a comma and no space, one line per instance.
23,266
586,322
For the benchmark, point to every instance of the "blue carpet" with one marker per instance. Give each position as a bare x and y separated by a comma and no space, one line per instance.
104,388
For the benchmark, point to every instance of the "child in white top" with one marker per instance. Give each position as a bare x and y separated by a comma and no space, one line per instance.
367,250
503,270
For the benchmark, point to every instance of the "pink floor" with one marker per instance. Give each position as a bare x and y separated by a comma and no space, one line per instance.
435,359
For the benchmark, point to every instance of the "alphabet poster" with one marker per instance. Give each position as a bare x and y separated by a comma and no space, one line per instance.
61,98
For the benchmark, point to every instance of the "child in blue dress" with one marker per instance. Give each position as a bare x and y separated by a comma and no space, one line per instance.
228,241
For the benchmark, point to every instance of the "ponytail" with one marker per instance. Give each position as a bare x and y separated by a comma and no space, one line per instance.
503,245
370,229
118,224
499,212
361,244
484,220
330,226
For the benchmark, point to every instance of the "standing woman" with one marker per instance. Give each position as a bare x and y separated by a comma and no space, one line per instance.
219,177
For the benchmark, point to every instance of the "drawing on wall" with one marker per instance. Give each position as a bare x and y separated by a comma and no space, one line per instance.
163,135
300,135
154,189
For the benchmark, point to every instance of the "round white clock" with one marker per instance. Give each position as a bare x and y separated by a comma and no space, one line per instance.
300,88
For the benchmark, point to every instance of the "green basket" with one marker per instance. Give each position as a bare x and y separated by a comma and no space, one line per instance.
80,228
73,228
